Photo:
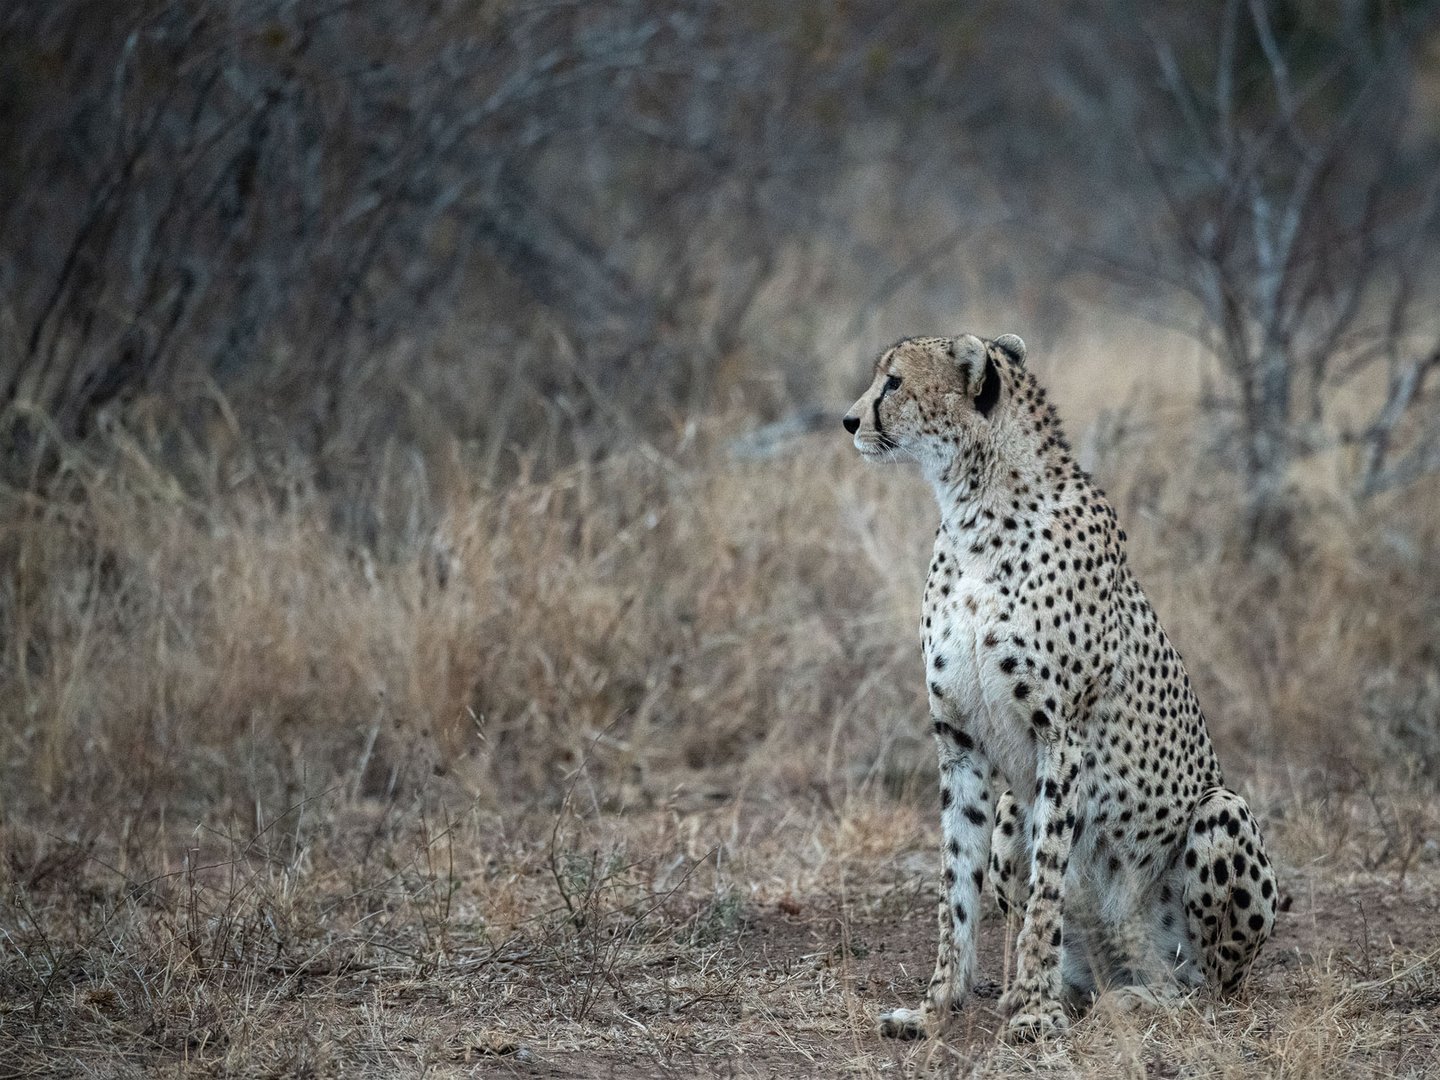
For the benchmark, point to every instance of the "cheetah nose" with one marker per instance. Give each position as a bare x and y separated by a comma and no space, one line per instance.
852,424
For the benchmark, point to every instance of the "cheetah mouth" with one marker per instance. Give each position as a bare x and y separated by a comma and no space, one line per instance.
877,448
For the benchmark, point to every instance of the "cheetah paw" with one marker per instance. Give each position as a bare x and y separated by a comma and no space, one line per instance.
902,1024
1033,1021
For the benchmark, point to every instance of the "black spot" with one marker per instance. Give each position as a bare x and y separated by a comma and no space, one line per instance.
1257,922
976,816
954,734
1241,898
1221,871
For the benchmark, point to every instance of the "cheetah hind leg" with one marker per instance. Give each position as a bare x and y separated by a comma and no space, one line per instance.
1229,894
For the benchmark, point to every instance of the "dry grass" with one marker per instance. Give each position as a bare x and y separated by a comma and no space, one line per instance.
623,770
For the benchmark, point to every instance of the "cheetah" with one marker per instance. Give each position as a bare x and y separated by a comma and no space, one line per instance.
1075,764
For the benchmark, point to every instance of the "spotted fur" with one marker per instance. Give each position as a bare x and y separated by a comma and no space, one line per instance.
1074,759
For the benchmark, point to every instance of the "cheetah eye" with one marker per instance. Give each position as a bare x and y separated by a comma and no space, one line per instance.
892,383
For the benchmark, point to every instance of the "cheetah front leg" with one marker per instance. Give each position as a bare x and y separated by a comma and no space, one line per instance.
1010,856
966,821
1033,1002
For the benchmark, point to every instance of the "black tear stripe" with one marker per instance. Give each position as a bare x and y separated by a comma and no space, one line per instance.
879,430
989,390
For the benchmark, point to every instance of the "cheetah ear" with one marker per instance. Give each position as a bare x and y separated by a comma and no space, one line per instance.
977,370
1012,346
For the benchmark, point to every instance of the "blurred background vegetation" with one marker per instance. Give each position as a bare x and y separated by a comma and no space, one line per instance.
355,274
317,230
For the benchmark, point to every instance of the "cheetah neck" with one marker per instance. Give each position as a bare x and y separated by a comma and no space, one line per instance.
969,492
1027,468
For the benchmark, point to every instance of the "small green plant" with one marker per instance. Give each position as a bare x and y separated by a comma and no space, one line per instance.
721,918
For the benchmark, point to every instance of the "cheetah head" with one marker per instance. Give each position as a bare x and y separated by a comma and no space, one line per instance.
932,398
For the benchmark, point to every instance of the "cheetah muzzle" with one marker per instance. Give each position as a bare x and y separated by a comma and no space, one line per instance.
1075,765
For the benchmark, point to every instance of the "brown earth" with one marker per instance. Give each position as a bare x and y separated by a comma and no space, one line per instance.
772,964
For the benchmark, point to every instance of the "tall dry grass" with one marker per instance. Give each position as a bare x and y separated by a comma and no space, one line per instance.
668,613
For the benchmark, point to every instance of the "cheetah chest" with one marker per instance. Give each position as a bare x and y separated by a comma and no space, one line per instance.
961,626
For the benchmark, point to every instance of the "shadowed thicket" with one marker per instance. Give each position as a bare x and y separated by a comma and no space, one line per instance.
539,228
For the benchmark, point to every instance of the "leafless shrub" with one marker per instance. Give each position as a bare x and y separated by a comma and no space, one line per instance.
1305,199
295,199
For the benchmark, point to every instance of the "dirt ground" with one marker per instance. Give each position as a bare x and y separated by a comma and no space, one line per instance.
1338,954
1350,981
715,942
